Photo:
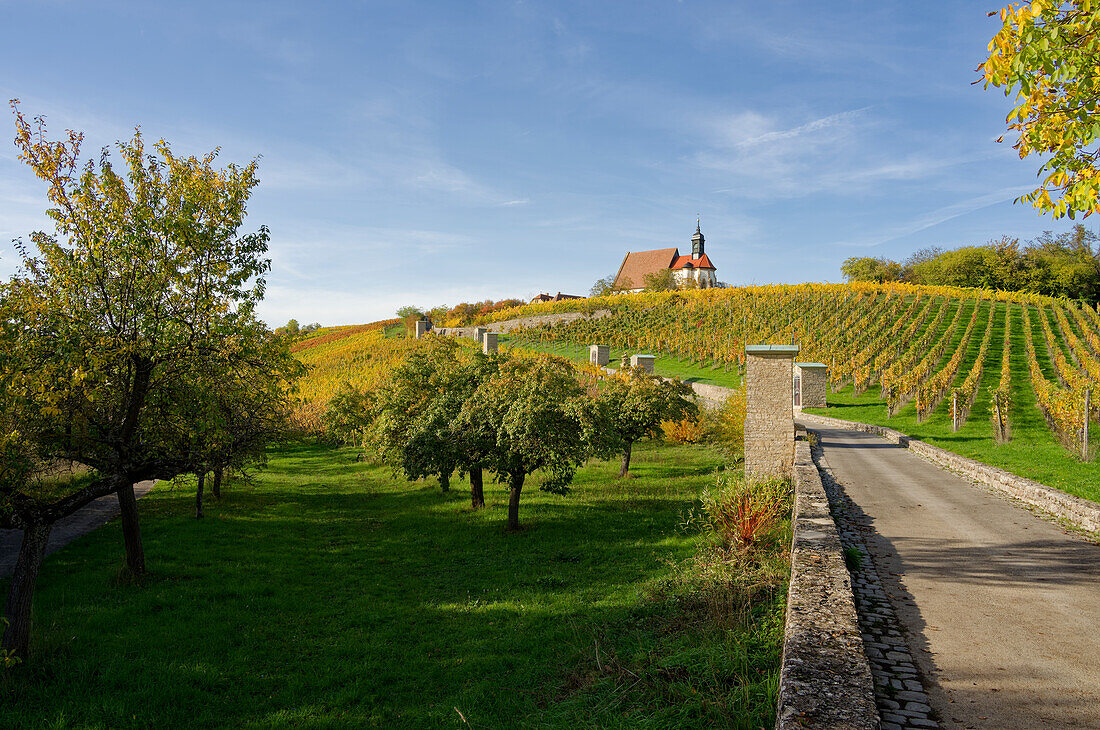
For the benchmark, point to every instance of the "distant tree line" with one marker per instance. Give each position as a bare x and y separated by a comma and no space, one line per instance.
1058,265
459,315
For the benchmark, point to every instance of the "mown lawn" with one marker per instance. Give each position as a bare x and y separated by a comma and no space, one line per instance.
329,595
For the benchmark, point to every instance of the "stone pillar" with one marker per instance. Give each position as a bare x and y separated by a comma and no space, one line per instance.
489,342
769,416
479,332
645,362
599,355
421,328
812,378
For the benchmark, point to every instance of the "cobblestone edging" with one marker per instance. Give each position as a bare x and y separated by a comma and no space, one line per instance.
899,690
825,681
1077,511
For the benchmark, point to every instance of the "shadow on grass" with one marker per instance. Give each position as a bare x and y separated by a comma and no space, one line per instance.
328,595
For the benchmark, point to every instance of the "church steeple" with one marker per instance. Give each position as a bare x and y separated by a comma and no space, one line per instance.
697,242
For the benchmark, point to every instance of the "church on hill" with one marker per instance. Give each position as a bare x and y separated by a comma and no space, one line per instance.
696,268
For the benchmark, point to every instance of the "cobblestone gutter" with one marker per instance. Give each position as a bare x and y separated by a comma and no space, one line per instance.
825,681
902,701
1077,511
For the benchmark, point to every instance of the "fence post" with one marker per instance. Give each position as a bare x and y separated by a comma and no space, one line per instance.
1085,430
1000,427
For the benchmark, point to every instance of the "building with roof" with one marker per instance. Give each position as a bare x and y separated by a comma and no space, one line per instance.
695,270
558,298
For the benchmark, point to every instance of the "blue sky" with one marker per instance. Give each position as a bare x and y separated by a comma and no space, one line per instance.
436,152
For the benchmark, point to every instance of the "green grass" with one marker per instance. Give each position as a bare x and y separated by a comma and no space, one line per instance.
664,365
329,595
1034,452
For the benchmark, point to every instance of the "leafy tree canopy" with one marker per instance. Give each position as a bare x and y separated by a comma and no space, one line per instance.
635,402
1060,265
1047,53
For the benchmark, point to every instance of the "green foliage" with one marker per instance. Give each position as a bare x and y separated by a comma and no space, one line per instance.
8,659
349,415
865,268
415,410
663,280
633,403
605,286
137,316
531,415
410,312
725,426
742,515
1047,52
1057,265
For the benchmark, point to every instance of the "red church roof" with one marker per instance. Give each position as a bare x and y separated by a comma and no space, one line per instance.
636,265
700,263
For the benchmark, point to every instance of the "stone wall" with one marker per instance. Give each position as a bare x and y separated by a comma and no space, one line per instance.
825,679
508,325
1079,512
713,396
769,414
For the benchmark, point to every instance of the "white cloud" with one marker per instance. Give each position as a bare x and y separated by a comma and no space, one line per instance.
935,217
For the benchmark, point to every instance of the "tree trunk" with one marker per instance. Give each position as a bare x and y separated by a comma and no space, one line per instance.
131,530
445,482
477,491
17,635
625,469
216,484
515,484
198,496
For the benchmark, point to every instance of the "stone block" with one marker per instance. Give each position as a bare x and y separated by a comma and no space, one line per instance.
489,342
769,414
812,377
645,362
422,328
599,354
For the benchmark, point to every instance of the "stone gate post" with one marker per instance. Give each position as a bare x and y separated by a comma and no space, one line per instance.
769,412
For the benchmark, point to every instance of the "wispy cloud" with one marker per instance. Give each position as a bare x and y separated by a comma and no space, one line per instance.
935,217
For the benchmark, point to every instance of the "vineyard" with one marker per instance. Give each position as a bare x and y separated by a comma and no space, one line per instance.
360,355
931,351
970,366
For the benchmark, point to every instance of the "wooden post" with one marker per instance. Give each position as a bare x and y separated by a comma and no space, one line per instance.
954,411
1085,430
1000,428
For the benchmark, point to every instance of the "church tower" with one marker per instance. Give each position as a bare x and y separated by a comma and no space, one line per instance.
697,242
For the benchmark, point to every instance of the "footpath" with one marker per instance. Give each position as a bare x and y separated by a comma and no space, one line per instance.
998,607
90,517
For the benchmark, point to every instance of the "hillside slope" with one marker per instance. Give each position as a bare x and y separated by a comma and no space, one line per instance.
920,359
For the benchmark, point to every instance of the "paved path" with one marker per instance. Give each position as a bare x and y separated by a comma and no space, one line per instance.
1001,608
91,516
